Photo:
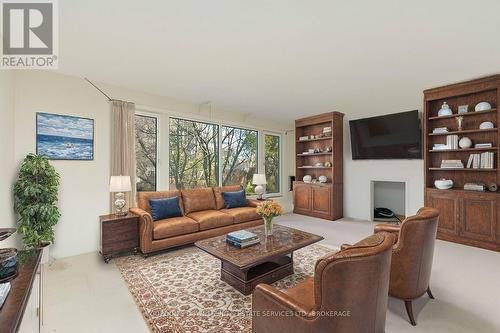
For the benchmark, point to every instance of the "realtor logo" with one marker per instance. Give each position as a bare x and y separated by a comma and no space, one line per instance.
29,34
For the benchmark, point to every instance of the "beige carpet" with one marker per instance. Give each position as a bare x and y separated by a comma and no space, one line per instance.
181,291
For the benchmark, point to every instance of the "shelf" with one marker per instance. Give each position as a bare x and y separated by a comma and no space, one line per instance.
459,189
318,139
462,150
316,154
313,167
471,113
466,131
327,184
463,169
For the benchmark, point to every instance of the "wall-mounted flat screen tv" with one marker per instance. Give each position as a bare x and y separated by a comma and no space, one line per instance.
392,136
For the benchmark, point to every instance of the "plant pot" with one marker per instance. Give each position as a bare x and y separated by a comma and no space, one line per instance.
45,253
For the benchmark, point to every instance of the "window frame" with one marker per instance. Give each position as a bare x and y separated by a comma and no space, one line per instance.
280,138
163,144
257,153
170,117
158,136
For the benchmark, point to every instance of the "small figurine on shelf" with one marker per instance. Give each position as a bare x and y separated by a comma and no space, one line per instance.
460,120
329,149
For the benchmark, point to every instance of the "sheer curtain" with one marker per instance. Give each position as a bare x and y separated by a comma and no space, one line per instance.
123,145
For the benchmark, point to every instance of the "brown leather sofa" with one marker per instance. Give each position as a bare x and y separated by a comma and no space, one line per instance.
412,256
348,293
203,216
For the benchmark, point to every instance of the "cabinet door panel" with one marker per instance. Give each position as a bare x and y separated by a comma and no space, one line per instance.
302,198
448,211
479,216
321,200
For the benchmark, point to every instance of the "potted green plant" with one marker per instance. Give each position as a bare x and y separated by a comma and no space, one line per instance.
35,202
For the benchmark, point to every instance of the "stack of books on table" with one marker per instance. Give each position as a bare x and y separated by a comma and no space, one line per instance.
452,164
474,187
481,161
242,239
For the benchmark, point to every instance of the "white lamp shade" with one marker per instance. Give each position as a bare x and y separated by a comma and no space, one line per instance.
120,184
259,179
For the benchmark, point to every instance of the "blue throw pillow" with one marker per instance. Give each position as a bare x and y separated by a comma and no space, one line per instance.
165,208
235,199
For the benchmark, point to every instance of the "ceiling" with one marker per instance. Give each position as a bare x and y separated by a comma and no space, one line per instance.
282,59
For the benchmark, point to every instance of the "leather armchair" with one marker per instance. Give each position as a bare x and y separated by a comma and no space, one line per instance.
412,256
348,293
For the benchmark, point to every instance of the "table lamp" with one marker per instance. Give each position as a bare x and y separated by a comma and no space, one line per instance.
118,185
259,179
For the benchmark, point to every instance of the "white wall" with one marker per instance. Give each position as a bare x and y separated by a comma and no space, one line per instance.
84,184
7,153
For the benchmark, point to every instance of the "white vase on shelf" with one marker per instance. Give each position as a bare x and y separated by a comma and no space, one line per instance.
465,143
445,110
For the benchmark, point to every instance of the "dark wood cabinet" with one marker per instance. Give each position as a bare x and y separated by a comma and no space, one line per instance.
466,217
479,217
302,198
319,153
449,211
321,199
119,234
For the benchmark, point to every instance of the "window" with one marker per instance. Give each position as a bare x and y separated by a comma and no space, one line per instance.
239,157
272,152
146,134
193,154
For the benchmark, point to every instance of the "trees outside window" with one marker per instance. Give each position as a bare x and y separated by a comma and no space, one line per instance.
146,143
194,149
193,154
239,156
272,153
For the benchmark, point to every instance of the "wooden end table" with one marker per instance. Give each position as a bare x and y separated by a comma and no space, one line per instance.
119,234
269,261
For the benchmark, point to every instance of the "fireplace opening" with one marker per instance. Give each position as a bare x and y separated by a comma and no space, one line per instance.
388,196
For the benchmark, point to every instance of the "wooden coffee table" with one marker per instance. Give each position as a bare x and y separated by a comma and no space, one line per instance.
267,262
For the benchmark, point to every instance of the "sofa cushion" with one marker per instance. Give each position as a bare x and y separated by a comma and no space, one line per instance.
165,208
209,219
242,214
219,199
174,226
199,199
144,197
235,199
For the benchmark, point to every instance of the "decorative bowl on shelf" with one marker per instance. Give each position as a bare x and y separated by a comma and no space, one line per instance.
465,143
307,179
445,110
328,164
322,179
443,184
486,125
483,106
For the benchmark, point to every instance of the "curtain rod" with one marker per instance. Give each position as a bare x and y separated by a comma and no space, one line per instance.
102,92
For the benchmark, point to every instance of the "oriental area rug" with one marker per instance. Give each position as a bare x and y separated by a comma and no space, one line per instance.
181,291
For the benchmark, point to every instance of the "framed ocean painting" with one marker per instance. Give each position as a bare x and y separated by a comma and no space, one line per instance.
60,137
